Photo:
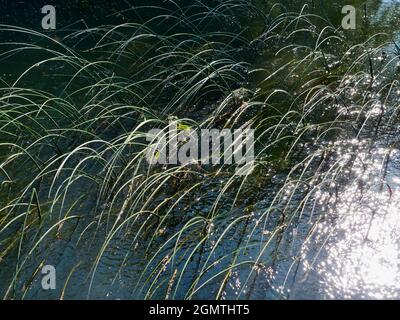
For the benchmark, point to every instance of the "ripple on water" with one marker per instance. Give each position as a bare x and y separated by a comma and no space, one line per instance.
354,249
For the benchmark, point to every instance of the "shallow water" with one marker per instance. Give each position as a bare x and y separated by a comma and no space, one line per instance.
342,245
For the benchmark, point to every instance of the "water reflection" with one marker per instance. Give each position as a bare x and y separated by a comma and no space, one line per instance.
351,252
358,238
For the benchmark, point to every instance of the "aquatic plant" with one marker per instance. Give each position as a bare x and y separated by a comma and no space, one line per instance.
74,123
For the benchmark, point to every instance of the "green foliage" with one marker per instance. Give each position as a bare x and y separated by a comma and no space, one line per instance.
74,122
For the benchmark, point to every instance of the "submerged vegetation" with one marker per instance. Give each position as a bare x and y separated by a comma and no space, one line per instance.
77,191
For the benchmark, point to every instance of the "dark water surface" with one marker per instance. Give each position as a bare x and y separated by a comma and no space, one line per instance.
342,250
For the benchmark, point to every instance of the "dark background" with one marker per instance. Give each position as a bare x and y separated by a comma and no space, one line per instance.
27,13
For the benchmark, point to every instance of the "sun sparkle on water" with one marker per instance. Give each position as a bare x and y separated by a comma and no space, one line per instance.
360,236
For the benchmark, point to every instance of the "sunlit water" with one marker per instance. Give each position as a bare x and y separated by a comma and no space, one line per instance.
345,245
353,252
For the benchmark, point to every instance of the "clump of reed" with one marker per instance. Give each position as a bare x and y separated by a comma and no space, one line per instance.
74,123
